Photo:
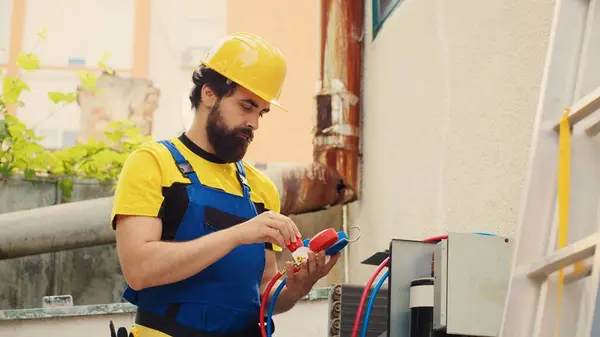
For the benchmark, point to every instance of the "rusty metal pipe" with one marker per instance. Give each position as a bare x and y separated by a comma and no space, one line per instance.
80,224
54,228
336,139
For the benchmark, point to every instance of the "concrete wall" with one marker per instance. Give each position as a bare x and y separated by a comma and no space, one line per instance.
450,94
293,323
93,275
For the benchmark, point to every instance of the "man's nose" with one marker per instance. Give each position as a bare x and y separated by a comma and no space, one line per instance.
252,122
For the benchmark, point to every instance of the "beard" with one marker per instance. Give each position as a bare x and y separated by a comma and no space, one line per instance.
230,145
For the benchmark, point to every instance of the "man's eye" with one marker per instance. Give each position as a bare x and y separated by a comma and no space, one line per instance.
247,108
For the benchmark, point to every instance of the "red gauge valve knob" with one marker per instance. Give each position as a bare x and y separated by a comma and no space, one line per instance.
323,240
295,245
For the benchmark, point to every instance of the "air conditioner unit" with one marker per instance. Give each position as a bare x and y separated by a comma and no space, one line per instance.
343,305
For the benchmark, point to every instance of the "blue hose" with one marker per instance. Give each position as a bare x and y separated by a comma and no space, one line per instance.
272,306
485,234
371,301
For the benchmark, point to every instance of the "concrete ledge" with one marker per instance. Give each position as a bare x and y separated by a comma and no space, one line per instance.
83,310
109,309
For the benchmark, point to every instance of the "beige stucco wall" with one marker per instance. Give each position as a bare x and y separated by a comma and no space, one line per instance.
450,97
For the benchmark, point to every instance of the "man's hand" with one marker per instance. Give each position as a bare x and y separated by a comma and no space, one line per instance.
267,227
300,282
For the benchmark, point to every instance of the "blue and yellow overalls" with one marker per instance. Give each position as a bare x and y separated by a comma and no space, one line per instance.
224,298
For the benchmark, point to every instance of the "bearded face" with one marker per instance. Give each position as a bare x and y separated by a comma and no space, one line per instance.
230,144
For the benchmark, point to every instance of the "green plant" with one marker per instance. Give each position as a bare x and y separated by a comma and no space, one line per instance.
20,149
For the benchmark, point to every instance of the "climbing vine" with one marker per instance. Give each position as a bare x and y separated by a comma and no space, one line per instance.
22,154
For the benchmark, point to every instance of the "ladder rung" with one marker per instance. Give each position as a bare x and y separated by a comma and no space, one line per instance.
583,108
564,257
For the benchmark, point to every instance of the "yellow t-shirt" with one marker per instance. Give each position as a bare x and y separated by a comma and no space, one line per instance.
150,184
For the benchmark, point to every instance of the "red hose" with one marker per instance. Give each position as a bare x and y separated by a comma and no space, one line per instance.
361,304
263,303
436,238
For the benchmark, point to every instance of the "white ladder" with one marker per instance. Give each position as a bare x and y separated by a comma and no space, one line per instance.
559,198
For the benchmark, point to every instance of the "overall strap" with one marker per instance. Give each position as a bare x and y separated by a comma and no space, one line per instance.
241,175
184,166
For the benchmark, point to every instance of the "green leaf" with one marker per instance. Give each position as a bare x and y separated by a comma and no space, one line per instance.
34,148
3,130
43,33
66,188
12,88
88,80
28,61
5,170
58,97
10,119
29,173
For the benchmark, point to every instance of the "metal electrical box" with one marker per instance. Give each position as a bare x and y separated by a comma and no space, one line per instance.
471,282
409,260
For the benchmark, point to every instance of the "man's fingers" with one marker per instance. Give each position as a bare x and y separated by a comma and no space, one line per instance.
294,231
303,272
320,260
289,227
283,220
274,237
332,260
279,226
289,270
312,262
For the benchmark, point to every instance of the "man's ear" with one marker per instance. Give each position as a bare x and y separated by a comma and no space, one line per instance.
208,95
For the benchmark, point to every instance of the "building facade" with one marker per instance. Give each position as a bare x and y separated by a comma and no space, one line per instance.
160,41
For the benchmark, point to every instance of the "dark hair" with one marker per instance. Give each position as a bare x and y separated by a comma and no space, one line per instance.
221,85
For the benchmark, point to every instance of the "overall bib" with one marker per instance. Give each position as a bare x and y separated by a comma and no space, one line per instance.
224,298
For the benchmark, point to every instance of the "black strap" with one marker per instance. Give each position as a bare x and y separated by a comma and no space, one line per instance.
173,310
175,329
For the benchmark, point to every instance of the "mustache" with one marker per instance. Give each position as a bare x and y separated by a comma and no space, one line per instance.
248,132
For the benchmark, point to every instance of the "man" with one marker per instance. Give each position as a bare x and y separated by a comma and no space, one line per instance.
196,226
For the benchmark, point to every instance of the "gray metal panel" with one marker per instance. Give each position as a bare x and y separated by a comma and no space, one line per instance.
409,260
440,285
478,275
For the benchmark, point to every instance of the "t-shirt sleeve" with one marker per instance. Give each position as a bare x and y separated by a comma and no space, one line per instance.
139,188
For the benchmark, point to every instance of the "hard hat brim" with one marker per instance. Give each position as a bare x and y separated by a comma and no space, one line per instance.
271,101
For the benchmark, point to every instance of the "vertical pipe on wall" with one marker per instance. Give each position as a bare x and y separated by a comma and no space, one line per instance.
337,130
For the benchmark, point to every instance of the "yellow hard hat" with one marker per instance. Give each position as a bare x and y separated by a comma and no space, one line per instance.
251,62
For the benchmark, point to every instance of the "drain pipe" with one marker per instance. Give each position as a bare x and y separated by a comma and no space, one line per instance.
302,189
336,139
